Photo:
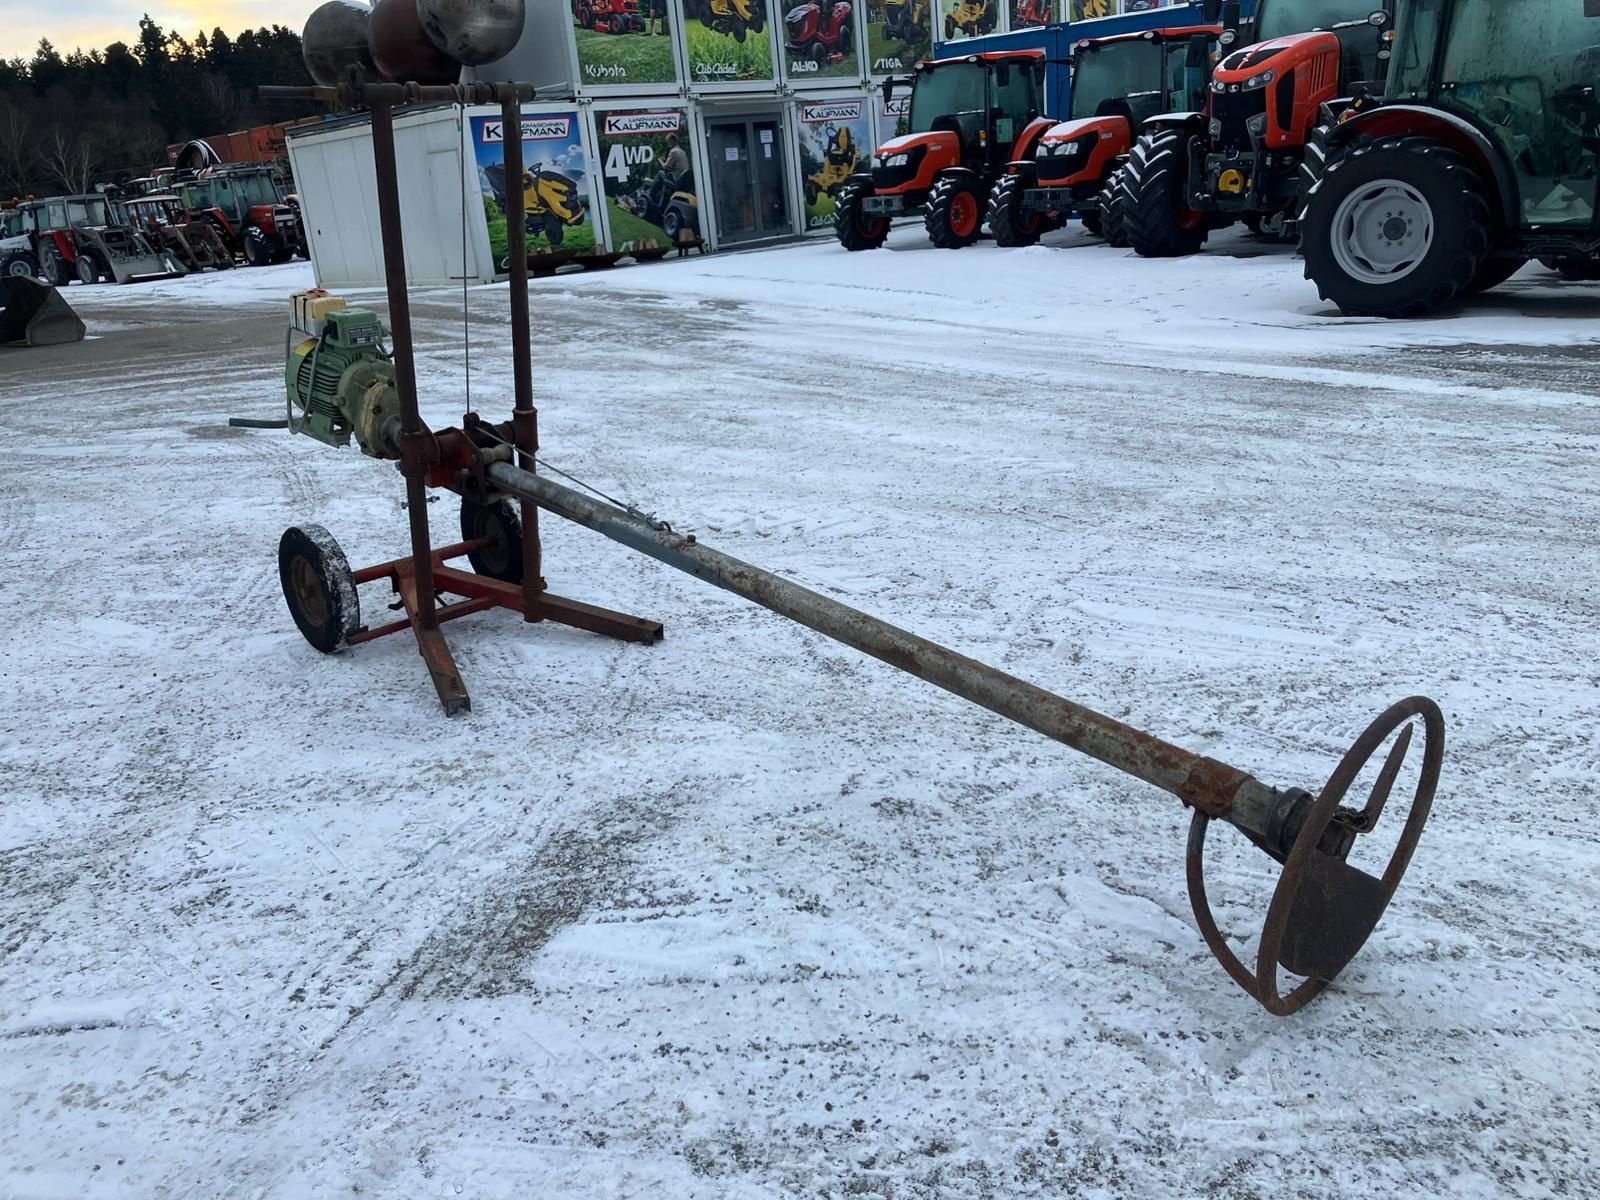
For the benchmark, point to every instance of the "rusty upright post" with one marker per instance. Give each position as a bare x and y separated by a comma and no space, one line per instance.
414,440
524,418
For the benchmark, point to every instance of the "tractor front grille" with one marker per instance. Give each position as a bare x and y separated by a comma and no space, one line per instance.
1233,110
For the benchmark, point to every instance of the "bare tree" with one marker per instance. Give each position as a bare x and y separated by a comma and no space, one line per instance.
69,158
16,149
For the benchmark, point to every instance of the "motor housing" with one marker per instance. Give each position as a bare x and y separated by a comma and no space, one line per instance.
340,380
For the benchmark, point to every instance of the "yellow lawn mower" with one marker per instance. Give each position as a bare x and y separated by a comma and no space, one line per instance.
971,18
733,17
839,162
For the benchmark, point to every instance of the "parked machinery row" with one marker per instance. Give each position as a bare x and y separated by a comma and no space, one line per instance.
1419,151
170,223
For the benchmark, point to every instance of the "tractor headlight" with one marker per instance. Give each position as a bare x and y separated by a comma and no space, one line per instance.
897,160
1218,86
1256,82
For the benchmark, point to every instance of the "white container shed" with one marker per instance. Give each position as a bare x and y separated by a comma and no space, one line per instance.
336,181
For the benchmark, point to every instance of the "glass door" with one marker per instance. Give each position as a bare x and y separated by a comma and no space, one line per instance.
748,179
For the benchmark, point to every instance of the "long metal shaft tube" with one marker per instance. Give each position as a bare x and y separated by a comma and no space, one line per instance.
1215,788
405,373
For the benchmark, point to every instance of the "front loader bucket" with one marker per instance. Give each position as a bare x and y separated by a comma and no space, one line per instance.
36,314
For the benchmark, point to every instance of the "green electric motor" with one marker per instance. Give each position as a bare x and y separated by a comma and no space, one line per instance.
341,382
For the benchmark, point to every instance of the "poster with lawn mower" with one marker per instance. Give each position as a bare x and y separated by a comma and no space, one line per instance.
623,42
1030,14
728,40
962,19
554,183
651,203
819,39
899,34
835,142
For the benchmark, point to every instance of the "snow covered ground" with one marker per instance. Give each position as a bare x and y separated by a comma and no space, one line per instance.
746,914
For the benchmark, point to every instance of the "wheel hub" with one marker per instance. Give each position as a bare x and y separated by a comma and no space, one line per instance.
307,586
1382,231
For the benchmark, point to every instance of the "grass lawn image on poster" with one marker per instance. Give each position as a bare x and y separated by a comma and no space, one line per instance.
899,34
1027,14
835,142
554,184
819,38
645,170
960,19
623,41
728,40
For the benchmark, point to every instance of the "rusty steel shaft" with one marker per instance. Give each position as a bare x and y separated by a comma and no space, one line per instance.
1212,787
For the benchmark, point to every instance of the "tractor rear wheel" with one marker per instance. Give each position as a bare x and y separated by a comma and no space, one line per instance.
1154,217
53,269
1396,228
499,522
318,586
1113,210
954,216
21,266
857,230
1011,224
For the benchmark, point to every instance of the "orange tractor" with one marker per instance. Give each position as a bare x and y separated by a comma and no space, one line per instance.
969,117
1248,155
1117,84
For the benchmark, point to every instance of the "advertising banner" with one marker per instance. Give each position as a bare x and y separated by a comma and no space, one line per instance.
554,183
893,114
899,33
819,38
962,19
728,40
623,42
1089,10
1028,14
835,142
645,170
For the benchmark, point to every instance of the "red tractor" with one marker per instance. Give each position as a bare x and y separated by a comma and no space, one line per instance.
609,16
78,237
1483,152
1117,84
1241,158
818,30
242,203
969,117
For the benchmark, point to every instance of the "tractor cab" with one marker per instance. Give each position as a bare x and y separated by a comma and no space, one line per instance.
985,100
1526,78
242,204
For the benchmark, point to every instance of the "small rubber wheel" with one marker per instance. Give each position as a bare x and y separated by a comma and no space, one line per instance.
318,586
499,522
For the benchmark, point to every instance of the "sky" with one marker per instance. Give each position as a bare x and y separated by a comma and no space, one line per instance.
95,24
